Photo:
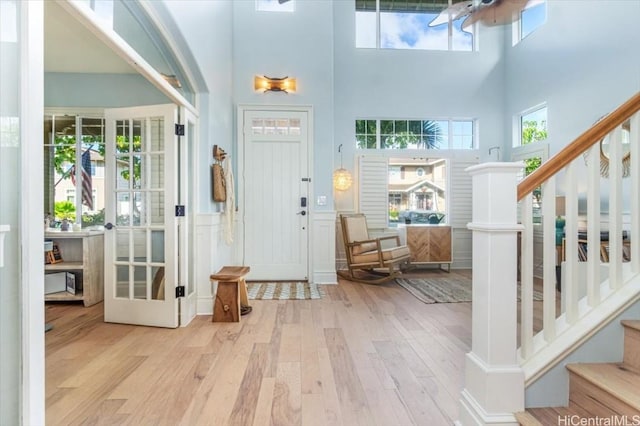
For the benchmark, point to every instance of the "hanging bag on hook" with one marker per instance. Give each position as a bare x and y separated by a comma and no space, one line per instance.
217,175
219,184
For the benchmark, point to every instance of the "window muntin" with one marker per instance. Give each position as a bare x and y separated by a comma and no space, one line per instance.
415,134
275,6
387,24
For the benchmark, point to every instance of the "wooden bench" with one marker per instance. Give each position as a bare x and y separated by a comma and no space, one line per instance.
232,292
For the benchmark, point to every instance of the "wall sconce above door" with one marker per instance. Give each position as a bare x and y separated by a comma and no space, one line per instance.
270,84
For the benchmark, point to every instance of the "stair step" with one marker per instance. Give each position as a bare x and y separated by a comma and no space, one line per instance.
604,388
631,357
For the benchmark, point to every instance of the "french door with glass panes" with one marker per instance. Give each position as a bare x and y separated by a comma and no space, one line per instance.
141,236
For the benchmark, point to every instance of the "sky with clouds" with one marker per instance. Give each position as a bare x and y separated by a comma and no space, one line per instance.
409,31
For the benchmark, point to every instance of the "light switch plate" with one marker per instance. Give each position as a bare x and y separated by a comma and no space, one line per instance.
322,200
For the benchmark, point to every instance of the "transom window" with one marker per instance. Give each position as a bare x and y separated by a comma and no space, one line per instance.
415,134
275,126
389,24
532,17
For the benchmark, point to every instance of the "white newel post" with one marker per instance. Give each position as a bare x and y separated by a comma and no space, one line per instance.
494,382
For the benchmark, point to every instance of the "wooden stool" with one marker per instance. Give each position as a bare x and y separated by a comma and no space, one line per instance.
232,292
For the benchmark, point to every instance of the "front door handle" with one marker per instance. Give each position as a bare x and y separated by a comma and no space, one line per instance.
303,212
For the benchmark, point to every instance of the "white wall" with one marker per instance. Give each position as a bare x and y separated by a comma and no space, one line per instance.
299,45
207,28
99,90
417,84
583,62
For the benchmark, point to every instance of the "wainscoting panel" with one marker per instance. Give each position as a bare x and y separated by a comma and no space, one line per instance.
323,250
211,254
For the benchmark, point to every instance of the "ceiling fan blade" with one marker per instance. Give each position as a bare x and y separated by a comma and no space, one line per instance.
456,11
500,12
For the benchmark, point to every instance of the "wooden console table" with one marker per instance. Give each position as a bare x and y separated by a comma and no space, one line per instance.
428,244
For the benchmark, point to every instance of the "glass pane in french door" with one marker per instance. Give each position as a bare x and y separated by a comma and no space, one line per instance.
140,210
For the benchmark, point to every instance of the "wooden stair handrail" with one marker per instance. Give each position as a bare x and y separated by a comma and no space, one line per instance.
583,142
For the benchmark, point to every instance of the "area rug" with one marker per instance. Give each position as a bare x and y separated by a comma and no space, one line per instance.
440,289
283,290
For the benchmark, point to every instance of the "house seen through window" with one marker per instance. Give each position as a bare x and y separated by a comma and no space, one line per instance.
417,191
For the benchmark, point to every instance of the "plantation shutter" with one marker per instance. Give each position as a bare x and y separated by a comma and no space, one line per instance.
373,198
460,192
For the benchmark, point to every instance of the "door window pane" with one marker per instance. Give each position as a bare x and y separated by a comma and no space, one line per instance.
157,246
139,245
139,282
157,134
156,180
122,281
157,286
123,209
122,246
157,208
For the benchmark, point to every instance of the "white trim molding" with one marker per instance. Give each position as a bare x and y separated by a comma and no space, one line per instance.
31,195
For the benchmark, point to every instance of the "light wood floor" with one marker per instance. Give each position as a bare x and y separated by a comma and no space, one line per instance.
362,355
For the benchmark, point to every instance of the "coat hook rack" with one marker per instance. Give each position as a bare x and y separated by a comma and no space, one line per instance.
218,153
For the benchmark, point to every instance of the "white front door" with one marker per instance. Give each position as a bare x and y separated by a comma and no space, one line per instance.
275,193
141,244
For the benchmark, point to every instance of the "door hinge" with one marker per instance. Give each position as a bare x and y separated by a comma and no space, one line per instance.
180,210
180,291
306,179
179,129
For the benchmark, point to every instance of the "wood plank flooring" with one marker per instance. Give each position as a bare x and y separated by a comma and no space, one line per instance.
362,355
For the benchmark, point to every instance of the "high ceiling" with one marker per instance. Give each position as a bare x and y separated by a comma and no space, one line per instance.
70,47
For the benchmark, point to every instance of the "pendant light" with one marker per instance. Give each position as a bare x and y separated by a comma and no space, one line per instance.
342,177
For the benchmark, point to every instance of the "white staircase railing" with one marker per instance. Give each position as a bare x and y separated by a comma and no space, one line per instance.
599,252
496,363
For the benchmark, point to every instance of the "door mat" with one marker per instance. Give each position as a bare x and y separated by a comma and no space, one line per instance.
283,290
445,289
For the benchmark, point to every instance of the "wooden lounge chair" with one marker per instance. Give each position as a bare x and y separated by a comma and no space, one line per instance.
370,260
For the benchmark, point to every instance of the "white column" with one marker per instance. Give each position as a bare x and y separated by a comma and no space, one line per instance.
494,382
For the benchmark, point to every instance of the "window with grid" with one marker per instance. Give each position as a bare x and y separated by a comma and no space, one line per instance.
389,24
415,134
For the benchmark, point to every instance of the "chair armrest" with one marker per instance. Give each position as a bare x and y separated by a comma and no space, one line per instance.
359,243
390,237
364,246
